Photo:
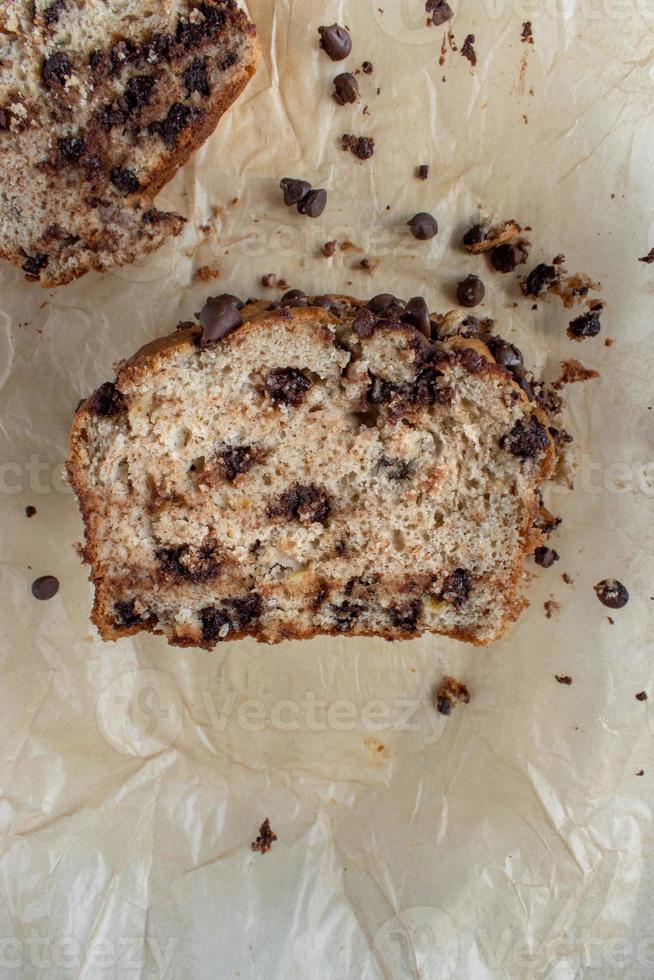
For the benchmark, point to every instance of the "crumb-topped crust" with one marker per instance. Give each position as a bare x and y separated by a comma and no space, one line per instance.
299,478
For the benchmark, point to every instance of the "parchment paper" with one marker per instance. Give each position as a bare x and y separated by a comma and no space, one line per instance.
512,839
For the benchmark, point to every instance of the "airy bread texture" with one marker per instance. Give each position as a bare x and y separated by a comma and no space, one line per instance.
300,478
100,103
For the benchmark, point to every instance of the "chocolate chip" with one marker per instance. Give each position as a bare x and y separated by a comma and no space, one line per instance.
328,249
294,298
124,180
474,236
170,128
346,88
30,510
423,171
468,49
471,291
307,504
34,263
235,460
612,593
189,562
507,257
423,226
213,620
526,439
107,401
641,696
56,69
287,386
294,190
440,11
45,587
362,147
218,317
346,614
587,325
195,77
157,48
364,323
539,279
506,354
313,203
386,305
545,557
138,92
324,302
417,313
52,13
406,617
335,42
126,614
71,148
456,587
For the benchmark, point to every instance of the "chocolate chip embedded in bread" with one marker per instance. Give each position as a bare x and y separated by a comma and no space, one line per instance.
45,587
471,360
189,562
395,469
612,593
587,325
423,226
346,614
245,608
215,624
124,180
218,317
170,128
313,203
71,148
545,557
287,386
126,614
526,440
294,298
406,617
52,13
346,88
34,263
470,292
335,42
507,257
457,587
107,401
236,460
195,77
307,504
56,69
386,305
294,190
364,323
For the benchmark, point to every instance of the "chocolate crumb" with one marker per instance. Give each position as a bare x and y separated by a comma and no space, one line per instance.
362,147
451,691
649,258
367,68
641,772
563,679
468,49
265,839
641,696
30,511
328,249
440,12
587,325
545,557
45,587
527,35
552,608
422,172
526,439
612,593
539,280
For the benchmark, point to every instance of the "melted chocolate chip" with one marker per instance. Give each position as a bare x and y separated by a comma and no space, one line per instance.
346,614
468,49
545,557
56,69
213,620
470,292
423,226
287,386
195,77
52,13
34,263
244,609
471,360
71,148
45,587
235,460
124,180
612,593
126,614
157,48
170,128
189,562
526,439
507,257
218,317
587,325
346,88
417,314
474,236
294,190
313,203
539,280
364,323
307,504
362,147
107,401
138,92
456,587
440,11
335,42
406,617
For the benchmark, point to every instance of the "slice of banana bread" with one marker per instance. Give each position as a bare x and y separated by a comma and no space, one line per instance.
100,103
315,466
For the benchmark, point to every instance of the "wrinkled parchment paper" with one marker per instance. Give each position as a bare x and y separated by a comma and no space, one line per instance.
512,839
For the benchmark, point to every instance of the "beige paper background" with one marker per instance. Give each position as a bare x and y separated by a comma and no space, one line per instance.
512,839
